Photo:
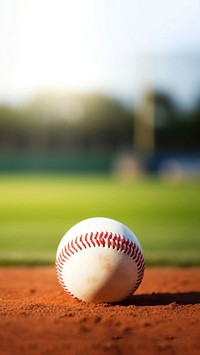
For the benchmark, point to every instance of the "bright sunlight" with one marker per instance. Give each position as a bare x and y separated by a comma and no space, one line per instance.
54,47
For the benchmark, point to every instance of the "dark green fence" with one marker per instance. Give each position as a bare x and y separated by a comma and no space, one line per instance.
79,162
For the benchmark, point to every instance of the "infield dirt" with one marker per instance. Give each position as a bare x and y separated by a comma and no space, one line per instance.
38,317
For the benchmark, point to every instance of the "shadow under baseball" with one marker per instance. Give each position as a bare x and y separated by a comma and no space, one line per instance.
163,299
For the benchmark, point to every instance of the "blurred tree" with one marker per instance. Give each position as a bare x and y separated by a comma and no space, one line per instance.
66,123
92,123
106,125
180,130
164,107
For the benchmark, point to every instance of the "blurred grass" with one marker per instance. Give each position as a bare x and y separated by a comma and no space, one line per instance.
37,210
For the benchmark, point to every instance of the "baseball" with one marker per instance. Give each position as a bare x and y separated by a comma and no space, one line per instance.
100,260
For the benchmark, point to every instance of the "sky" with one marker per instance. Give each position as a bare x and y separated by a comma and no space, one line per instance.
118,47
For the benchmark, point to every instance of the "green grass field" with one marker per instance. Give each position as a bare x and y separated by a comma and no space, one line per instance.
36,211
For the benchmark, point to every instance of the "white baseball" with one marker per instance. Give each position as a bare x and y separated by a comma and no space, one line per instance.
100,260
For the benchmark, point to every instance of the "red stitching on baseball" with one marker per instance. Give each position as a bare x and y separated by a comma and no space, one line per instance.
66,251
73,246
109,240
86,239
115,241
68,246
91,239
96,239
114,244
81,240
102,241
77,243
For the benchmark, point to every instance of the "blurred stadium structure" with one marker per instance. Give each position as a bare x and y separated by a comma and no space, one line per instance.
60,131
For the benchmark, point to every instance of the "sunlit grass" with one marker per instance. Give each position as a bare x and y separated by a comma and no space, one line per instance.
36,211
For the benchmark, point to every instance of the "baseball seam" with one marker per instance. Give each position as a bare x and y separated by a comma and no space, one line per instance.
105,239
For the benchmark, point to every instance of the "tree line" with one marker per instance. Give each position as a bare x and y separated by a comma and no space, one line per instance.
60,122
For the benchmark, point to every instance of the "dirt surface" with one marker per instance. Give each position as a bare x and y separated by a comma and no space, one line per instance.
38,317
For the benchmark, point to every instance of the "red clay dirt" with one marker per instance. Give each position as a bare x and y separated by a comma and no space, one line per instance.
38,317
